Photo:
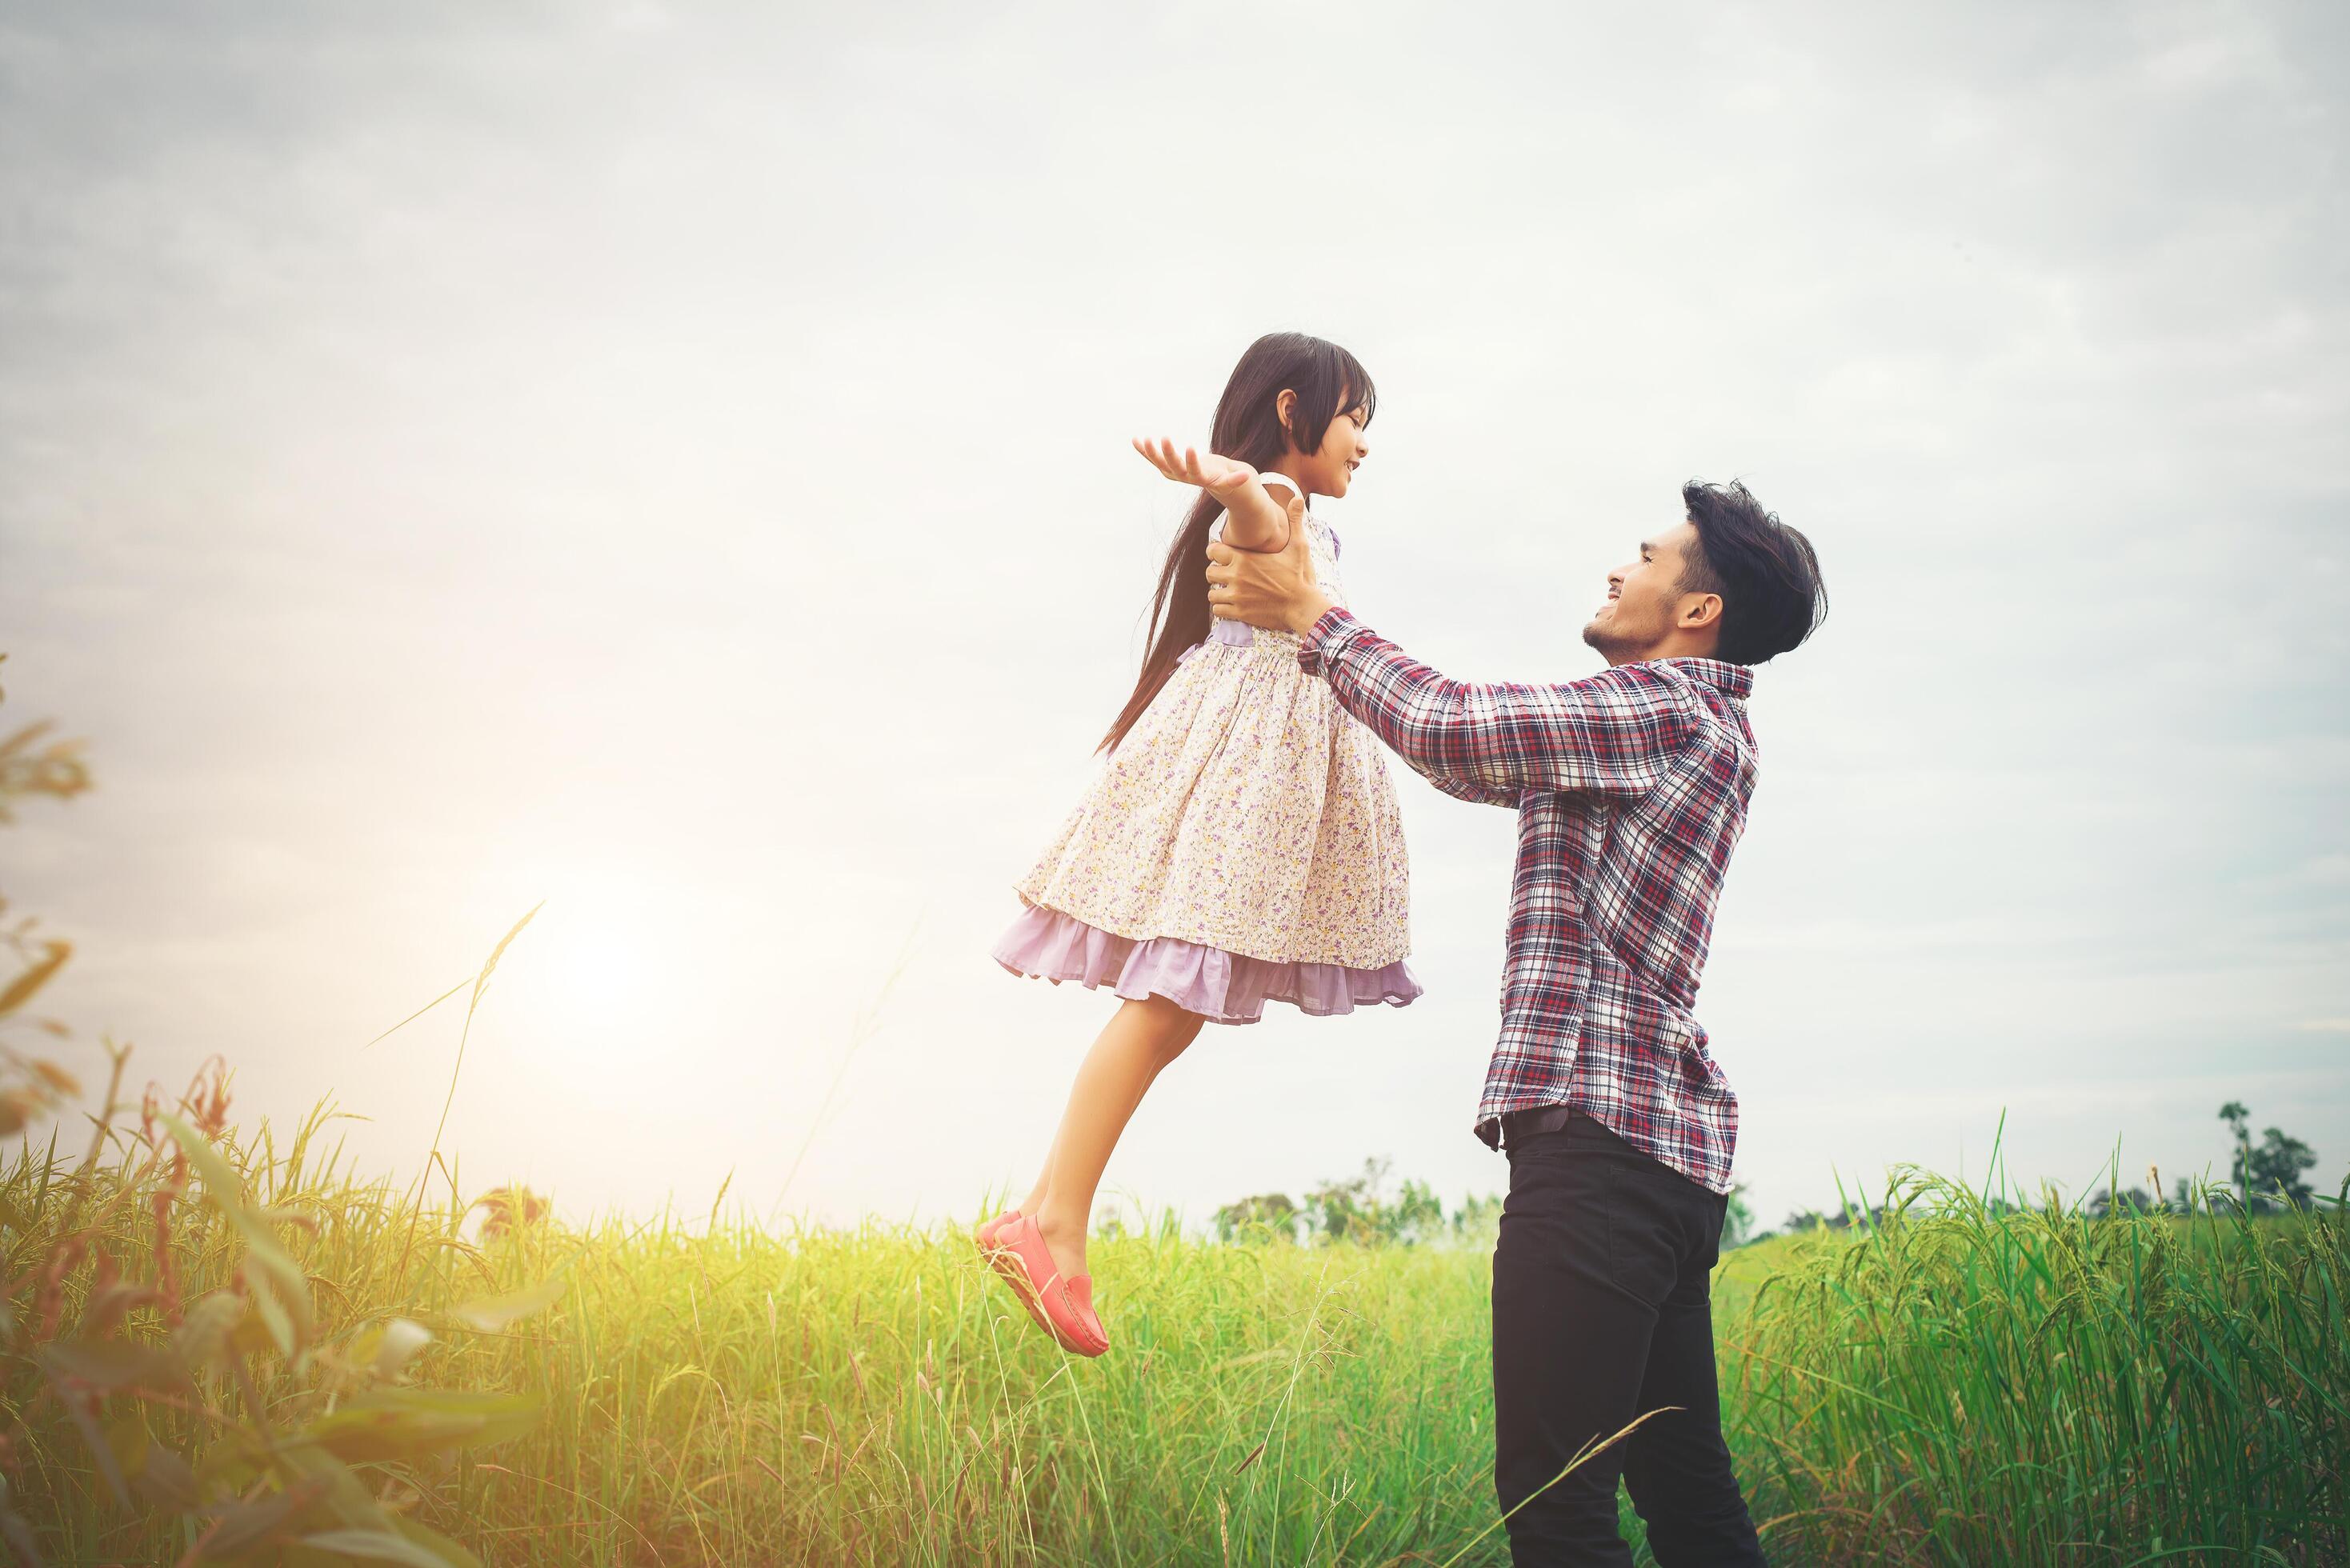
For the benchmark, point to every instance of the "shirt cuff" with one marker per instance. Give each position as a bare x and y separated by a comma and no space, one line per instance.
1327,640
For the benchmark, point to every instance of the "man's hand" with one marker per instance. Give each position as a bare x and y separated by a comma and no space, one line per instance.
1275,590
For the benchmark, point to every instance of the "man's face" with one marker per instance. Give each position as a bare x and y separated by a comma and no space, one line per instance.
1644,597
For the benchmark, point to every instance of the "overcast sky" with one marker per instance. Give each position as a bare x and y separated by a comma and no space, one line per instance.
671,462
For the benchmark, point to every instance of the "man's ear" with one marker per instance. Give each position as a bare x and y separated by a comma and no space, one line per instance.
1699,611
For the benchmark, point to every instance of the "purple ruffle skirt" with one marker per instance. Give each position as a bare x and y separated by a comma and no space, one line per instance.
1222,987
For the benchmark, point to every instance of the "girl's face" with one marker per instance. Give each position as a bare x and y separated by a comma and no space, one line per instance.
1329,468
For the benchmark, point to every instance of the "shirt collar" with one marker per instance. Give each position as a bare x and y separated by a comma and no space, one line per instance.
1730,680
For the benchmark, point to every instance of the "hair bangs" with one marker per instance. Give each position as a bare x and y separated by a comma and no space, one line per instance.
1355,390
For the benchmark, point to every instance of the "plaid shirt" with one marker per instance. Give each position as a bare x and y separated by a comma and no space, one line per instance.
1631,790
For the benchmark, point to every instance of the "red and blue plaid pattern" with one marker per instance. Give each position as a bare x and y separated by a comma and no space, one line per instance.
1631,790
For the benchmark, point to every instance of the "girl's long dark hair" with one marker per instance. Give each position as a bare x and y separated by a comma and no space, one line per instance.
1327,380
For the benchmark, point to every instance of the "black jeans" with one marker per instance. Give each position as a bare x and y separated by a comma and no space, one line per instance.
1602,1312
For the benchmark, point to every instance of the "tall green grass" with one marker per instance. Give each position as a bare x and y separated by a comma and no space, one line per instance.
1964,1383
1956,1387
714,1392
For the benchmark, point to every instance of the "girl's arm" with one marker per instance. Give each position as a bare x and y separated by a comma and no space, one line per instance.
1258,510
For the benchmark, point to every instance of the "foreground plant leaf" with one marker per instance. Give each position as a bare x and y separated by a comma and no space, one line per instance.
81,1409
165,1481
230,1466
281,1294
242,1526
30,979
345,1497
108,1364
372,1546
206,1328
424,1535
16,1533
386,1348
493,1313
341,1546
128,1437
402,1423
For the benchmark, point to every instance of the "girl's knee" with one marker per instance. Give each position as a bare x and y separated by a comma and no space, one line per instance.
1175,1028
1164,1014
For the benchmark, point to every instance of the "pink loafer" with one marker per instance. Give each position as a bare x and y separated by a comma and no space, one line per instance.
1065,1307
989,1237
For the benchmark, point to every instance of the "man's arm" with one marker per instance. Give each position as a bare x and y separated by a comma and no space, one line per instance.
1475,794
1613,733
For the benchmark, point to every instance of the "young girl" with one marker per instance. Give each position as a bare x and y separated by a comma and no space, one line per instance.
1241,844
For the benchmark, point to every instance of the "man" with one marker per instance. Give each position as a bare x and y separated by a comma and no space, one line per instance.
1631,788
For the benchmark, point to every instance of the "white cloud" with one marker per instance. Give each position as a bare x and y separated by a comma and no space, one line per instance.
448,459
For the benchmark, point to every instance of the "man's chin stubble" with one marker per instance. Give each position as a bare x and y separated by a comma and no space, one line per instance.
1614,646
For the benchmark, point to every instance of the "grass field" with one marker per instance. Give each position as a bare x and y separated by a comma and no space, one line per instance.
1962,1387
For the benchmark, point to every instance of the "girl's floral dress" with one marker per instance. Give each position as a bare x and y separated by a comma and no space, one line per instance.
1241,845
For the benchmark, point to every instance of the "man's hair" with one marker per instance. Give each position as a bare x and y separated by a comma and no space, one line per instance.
1767,574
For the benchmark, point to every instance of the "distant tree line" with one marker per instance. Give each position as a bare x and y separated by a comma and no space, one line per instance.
2267,1178
1363,1210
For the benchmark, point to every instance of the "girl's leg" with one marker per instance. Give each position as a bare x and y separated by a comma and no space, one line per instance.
1035,1198
1139,1040
1035,1202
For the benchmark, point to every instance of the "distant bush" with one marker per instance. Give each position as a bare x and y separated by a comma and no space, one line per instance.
2274,1173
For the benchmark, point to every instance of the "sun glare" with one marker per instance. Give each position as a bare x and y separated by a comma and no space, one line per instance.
596,972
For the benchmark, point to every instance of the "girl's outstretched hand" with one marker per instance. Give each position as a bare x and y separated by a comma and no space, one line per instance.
1226,478
1257,521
